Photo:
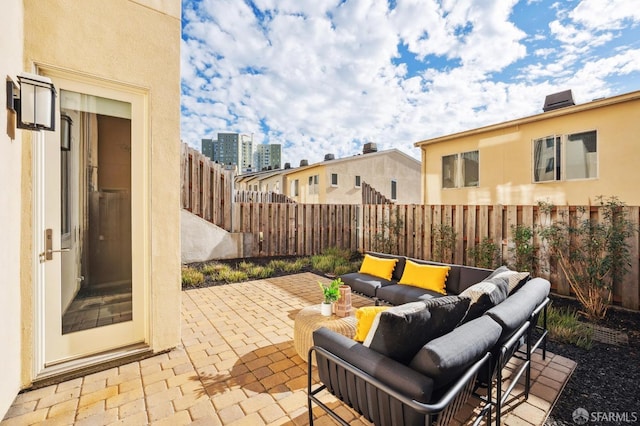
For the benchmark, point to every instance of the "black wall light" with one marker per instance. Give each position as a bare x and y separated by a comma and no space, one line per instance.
34,101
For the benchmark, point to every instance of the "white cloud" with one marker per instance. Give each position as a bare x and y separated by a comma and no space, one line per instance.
324,76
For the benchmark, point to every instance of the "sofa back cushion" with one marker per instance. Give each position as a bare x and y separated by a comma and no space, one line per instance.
400,331
469,275
444,359
518,307
514,279
484,296
399,269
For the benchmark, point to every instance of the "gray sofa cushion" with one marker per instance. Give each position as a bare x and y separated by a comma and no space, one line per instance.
519,306
400,331
515,279
484,296
469,276
364,283
398,376
400,294
444,359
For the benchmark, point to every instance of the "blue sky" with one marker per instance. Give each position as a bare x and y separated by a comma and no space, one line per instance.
326,76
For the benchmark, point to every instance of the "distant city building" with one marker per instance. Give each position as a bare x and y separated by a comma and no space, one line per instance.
230,148
207,147
268,156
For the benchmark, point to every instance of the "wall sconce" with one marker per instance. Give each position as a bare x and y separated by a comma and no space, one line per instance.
65,132
34,101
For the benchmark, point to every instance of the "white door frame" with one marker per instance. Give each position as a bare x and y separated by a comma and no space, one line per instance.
101,339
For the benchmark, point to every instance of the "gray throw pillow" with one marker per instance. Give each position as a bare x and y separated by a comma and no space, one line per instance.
400,331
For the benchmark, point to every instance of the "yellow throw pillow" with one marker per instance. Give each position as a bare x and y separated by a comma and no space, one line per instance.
365,317
378,267
429,277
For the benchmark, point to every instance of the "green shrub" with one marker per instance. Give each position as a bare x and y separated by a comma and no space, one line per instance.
260,272
191,276
278,264
213,268
245,266
232,276
344,269
564,326
323,262
296,266
486,254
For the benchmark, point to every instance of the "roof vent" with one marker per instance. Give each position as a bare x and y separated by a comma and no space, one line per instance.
369,147
558,100
329,157
304,163
287,165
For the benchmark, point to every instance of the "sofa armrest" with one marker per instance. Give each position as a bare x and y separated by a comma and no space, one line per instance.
387,371
426,409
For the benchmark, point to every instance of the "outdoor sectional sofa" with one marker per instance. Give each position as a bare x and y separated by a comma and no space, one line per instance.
425,355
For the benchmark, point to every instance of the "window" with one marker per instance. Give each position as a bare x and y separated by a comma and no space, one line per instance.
295,187
461,170
334,179
394,189
569,157
581,160
313,184
358,182
546,159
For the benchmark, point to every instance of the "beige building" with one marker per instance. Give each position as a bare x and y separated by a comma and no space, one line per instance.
339,181
569,156
90,209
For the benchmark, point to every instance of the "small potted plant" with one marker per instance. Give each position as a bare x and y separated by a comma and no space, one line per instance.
331,294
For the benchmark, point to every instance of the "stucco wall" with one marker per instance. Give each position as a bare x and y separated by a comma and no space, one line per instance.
506,159
130,43
10,175
202,240
378,170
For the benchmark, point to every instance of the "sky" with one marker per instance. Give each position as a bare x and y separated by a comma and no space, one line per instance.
327,76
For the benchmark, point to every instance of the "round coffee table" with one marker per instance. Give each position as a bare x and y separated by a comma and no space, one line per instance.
309,319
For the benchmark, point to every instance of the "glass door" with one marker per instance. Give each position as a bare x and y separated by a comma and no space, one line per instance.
92,193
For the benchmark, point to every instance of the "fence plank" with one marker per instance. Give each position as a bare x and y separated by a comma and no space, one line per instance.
470,231
458,227
630,290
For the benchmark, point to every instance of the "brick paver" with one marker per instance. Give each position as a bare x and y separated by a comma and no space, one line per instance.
236,366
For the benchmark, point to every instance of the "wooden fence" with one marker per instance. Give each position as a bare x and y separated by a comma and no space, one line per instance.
371,196
243,196
207,188
289,229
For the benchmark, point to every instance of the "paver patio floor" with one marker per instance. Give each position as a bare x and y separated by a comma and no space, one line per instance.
236,366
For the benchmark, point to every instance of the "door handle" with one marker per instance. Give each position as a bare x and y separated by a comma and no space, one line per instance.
48,246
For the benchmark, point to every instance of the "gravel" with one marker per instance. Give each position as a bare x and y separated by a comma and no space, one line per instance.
606,381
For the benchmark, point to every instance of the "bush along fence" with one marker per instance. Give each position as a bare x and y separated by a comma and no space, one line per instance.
523,237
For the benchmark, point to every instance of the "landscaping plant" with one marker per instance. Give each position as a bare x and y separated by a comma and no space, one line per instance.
486,254
331,292
592,253
444,242
523,250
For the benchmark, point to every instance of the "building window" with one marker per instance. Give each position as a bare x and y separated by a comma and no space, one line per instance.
461,170
295,187
358,181
581,156
313,184
334,179
394,189
546,159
